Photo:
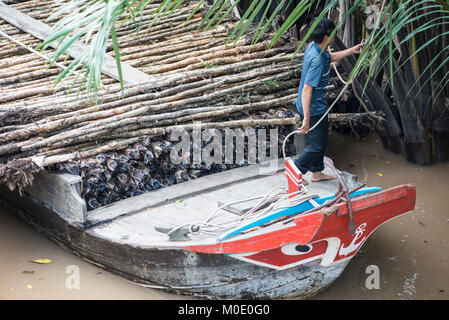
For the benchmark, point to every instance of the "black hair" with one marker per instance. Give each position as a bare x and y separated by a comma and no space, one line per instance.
324,27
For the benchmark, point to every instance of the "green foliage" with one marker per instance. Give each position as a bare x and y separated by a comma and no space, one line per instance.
94,21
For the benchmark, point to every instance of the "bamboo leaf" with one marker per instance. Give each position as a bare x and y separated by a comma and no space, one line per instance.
444,4
71,68
399,20
244,17
260,22
219,11
312,27
292,18
209,13
227,12
117,58
194,11
273,15
173,6
61,50
250,19
431,75
159,11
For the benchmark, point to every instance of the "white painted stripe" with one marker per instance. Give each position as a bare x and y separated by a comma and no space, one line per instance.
292,166
294,264
293,172
294,176
294,179
314,203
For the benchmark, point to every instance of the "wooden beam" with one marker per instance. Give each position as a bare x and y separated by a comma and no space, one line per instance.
42,31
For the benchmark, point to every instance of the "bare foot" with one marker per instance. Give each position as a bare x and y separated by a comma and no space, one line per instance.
319,176
304,182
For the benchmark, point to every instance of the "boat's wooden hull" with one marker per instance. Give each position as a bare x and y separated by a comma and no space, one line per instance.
231,269
206,275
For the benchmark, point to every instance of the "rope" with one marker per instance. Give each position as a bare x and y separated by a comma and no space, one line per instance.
273,200
319,121
370,113
279,199
290,201
338,73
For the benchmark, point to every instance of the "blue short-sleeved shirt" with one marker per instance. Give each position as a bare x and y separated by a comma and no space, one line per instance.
315,72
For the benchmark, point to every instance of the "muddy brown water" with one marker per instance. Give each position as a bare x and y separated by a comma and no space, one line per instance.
410,254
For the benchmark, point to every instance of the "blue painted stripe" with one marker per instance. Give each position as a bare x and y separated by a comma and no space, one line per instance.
285,212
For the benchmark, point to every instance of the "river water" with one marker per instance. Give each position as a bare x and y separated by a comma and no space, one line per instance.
410,255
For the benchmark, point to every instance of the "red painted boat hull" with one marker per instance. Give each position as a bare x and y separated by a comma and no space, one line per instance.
324,232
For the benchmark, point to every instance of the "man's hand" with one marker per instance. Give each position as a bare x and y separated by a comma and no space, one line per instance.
358,48
304,129
337,56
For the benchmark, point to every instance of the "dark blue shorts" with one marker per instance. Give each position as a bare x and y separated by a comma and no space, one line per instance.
311,159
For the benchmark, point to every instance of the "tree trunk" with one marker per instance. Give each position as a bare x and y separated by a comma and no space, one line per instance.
375,98
417,144
439,108
348,26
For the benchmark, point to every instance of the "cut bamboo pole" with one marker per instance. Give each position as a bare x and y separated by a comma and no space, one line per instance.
116,119
113,101
200,78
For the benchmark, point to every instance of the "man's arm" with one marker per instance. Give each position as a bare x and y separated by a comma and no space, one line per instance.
337,56
306,97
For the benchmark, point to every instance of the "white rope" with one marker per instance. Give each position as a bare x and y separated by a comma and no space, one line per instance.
338,74
319,121
273,200
372,114
270,202
280,199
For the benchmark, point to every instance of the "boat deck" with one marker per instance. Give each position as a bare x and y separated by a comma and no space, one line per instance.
133,221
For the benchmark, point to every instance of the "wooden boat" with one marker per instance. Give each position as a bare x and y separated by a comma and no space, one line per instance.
188,239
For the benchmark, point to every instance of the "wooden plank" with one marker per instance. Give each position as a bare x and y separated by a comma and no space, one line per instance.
373,200
42,31
62,194
183,191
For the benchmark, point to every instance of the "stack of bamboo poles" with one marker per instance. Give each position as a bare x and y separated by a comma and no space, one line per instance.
201,79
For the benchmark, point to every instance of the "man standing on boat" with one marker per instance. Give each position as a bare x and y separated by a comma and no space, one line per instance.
311,102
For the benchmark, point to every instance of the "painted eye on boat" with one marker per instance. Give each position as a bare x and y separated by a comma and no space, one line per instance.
292,249
303,249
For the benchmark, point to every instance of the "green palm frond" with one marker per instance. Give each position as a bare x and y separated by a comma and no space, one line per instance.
261,29
397,21
298,12
94,21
